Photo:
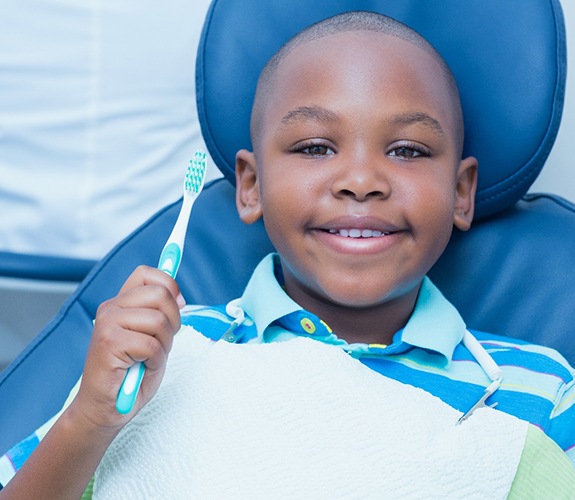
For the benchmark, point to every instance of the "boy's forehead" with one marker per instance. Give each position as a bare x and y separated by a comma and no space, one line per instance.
355,55
360,42
376,46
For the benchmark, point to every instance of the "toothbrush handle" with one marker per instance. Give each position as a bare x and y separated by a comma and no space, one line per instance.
169,263
170,259
130,387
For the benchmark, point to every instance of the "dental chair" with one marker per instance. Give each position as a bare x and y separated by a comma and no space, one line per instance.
511,274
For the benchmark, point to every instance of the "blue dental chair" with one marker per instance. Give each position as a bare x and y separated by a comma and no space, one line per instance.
511,274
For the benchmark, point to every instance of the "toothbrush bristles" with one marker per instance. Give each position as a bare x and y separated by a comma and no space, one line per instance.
196,173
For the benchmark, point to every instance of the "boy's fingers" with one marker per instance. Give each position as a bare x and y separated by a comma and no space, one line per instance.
145,275
114,324
152,350
151,322
152,297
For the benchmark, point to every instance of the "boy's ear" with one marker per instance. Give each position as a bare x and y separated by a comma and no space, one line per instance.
247,187
465,193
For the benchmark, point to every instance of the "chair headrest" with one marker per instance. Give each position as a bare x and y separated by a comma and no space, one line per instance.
509,59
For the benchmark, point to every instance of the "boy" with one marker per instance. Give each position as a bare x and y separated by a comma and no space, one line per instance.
357,172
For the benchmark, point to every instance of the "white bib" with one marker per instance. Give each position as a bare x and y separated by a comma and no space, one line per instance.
302,419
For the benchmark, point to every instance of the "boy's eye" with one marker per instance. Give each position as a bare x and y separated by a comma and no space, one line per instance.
408,152
315,150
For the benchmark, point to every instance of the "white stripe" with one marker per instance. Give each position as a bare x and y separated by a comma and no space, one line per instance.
7,471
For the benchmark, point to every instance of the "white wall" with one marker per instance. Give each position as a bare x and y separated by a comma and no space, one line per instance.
558,175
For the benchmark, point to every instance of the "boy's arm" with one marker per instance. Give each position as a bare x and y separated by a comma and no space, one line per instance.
137,325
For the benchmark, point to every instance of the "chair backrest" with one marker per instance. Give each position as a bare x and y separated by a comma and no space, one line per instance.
511,274
44,281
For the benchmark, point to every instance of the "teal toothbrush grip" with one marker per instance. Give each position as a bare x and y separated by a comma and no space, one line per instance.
129,389
170,259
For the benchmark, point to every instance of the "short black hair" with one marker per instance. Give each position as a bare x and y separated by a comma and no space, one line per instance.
348,21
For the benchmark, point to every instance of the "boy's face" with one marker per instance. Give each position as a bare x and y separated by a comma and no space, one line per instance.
359,137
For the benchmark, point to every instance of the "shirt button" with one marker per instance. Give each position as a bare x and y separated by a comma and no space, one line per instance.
307,325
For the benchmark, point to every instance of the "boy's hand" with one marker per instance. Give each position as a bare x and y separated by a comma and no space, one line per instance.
137,325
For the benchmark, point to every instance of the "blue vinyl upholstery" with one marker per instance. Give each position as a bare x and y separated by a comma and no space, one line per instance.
510,274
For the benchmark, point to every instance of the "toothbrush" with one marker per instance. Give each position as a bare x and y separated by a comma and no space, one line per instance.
170,260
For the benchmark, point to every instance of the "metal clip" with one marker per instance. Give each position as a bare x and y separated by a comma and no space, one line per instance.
229,336
481,403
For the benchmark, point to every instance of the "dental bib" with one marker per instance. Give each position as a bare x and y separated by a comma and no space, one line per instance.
301,419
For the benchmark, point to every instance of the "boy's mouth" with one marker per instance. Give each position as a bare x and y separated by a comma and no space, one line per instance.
358,233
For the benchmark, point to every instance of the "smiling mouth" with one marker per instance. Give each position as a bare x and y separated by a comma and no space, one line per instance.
358,233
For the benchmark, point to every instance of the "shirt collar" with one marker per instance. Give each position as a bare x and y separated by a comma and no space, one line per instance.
434,325
264,300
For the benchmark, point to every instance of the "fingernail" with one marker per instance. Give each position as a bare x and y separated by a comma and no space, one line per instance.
181,301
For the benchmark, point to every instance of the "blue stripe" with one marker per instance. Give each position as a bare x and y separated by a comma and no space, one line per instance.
537,363
211,328
525,406
20,453
562,428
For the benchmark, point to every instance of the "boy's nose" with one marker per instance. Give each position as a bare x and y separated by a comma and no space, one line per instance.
361,181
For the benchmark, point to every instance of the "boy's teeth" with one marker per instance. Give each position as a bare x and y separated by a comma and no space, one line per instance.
357,233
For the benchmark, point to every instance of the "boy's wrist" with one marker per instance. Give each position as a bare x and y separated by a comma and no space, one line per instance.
77,421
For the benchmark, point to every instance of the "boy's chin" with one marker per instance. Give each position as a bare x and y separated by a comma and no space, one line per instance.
360,296
359,288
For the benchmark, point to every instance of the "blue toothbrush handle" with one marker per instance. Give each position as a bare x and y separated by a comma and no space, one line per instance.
129,388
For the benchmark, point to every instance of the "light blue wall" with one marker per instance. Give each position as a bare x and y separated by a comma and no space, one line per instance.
558,175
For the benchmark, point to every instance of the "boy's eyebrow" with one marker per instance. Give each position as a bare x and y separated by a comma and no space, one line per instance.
309,113
417,117
322,114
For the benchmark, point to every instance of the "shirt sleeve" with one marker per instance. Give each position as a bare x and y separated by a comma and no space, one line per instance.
544,471
562,425
11,462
